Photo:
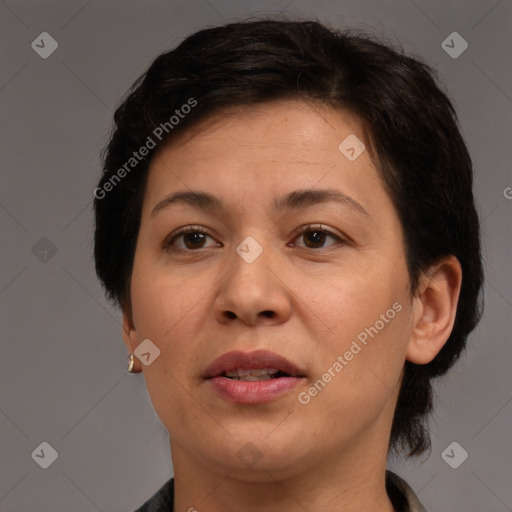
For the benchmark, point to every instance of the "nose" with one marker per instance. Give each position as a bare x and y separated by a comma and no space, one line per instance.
254,292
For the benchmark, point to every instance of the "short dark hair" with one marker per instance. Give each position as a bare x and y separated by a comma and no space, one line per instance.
412,131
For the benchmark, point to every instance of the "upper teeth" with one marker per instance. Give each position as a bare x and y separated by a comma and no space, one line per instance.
258,374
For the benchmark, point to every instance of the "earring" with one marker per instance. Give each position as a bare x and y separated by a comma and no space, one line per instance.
131,364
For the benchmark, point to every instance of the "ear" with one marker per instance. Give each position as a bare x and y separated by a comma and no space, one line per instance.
434,309
130,338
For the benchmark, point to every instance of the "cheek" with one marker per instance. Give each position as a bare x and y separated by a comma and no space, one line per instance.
161,300
164,316
170,311
349,305
369,328
358,382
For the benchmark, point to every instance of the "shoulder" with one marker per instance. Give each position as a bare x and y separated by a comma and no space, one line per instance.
161,501
401,495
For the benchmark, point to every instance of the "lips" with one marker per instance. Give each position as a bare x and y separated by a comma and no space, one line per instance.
258,360
252,377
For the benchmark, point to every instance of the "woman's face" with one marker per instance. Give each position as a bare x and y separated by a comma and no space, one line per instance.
270,264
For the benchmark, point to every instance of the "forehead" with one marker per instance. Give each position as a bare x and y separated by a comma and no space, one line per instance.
277,125
260,150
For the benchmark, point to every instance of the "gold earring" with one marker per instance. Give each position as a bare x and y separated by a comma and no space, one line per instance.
131,364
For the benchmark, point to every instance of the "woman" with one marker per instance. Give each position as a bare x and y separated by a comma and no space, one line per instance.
286,219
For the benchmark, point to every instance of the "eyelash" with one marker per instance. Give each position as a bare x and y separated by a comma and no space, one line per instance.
168,244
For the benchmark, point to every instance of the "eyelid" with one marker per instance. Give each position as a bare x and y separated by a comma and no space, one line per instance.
296,233
185,229
320,227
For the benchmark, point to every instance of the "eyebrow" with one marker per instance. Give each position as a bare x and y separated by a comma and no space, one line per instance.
291,201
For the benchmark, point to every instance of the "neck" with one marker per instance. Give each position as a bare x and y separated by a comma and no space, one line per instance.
337,482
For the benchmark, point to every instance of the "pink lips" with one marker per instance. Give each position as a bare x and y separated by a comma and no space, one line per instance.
252,392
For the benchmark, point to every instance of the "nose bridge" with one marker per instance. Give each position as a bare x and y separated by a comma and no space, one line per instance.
251,263
251,288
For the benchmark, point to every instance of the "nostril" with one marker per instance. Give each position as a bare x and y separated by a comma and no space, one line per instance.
268,314
230,314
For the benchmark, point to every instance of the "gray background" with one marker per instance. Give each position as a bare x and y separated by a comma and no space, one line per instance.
63,373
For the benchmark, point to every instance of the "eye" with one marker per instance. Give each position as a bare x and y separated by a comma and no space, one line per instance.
315,236
192,237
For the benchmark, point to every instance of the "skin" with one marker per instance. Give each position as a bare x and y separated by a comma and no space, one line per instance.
331,453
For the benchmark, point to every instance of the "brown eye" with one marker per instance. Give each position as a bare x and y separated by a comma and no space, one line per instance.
194,239
187,239
315,238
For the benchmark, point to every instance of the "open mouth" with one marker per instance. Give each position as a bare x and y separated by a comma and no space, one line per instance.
254,375
252,366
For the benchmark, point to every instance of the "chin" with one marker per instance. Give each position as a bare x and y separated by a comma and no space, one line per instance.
252,454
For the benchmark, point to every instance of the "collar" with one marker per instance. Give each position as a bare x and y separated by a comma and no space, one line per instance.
401,495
